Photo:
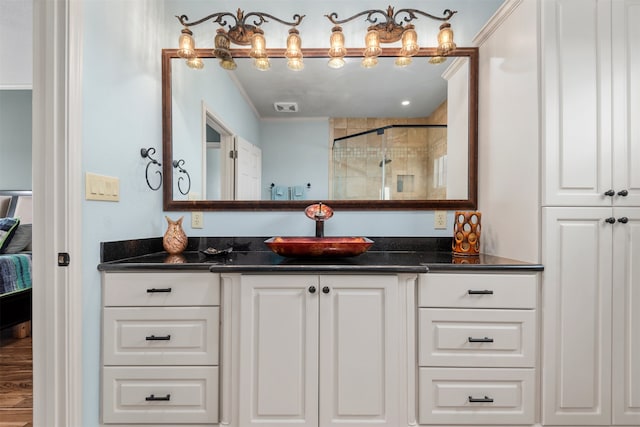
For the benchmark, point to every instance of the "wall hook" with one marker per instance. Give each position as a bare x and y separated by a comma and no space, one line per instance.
146,154
178,164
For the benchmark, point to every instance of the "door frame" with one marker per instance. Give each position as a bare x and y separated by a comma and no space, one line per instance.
57,211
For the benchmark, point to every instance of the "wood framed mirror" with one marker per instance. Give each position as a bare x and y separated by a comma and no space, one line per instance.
196,101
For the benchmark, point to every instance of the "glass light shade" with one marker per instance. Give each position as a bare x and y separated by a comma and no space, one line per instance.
295,64
195,63
258,45
228,64
221,43
186,45
372,43
262,64
294,45
409,42
369,61
337,49
445,39
403,61
336,62
437,60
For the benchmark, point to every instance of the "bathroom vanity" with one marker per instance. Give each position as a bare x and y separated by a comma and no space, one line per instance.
400,335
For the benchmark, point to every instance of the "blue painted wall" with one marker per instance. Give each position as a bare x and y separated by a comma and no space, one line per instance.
15,139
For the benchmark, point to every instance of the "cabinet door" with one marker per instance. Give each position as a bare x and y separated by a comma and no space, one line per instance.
278,351
576,73
577,255
626,318
359,363
626,101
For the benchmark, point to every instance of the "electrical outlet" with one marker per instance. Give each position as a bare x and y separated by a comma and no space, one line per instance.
440,219
197,220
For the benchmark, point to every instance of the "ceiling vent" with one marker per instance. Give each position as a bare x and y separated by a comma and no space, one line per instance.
286,107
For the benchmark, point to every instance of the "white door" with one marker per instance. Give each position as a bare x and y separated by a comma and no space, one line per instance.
577,255
626,317
359,366
279,351
248,170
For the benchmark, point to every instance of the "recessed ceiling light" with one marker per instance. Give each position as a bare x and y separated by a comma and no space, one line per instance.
406,102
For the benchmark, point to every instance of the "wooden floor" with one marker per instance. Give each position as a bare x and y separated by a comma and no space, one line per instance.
16,382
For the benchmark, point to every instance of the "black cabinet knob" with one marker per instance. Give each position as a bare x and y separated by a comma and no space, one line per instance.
610,220
623,220
623,193
326,289
610,193
312,289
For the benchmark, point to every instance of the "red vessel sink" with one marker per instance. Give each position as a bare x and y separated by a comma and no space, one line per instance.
319,246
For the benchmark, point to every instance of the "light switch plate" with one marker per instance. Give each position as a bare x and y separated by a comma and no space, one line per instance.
101,187
440,220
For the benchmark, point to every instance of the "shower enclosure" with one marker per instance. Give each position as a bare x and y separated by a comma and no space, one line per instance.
394,162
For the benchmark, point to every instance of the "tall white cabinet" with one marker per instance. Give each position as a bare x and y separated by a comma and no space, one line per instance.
590,65
319,350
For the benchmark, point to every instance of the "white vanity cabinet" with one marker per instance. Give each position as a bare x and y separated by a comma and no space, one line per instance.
477,348
160,346
319,350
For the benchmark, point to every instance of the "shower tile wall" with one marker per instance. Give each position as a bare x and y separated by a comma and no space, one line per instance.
357,163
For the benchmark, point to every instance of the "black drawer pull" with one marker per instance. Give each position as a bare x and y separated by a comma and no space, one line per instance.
485,399
480,292
154,290
153,398
485,339
155,338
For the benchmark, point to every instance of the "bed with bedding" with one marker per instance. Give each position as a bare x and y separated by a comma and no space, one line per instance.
15,257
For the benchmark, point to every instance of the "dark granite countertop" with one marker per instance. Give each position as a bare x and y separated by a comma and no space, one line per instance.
387,255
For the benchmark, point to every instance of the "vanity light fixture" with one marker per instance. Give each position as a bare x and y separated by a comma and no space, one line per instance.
389,31
240,33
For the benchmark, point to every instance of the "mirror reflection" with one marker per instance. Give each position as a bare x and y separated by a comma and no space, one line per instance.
394,137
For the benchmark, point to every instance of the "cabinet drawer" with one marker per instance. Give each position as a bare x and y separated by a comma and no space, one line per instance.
161,335
476,396
161,289
160,395
470,337
477,290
